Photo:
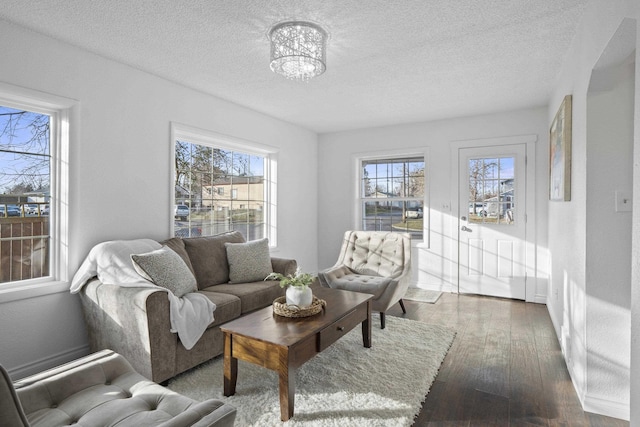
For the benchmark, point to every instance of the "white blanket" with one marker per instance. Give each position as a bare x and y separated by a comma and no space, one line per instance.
111,262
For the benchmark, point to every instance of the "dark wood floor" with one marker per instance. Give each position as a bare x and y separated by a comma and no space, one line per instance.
505,367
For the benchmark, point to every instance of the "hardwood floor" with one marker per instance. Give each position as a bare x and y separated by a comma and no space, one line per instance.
505,367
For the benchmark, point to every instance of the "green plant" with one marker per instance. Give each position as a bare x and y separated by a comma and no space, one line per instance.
298,279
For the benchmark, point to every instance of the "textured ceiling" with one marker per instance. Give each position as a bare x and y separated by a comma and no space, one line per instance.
388,61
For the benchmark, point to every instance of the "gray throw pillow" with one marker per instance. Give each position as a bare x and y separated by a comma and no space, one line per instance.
165,268
249,262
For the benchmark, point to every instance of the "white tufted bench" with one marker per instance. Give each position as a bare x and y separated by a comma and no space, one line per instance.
102,389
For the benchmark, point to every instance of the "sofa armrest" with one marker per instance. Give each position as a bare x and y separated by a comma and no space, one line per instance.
284,265
134,322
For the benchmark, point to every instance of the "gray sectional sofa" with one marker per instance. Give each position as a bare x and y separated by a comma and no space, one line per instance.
135,323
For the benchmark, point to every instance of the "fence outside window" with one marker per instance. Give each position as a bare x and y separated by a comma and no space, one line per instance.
24,248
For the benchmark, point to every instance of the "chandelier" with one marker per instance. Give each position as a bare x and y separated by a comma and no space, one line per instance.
298,50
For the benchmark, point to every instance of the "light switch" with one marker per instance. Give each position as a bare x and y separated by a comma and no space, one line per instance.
623,201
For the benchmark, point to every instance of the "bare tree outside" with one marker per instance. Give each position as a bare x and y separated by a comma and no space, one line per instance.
491,190
223,189
24,151
198,166
415,182
479,171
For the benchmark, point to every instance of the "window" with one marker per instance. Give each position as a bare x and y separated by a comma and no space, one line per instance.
34,139
392,193
225,183
24,194
491,190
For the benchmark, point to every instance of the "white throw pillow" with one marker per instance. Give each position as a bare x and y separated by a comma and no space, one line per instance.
249,262
165,268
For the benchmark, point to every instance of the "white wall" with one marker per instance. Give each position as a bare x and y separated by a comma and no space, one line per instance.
608,241
119,169
635,256
432,265
589,243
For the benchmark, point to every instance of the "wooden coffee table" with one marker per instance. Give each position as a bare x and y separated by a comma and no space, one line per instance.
282,344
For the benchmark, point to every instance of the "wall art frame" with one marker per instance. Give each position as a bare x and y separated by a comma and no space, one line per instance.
560,153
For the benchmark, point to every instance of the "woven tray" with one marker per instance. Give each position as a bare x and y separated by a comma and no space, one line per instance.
281,308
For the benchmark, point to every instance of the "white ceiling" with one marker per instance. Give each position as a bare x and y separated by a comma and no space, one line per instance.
388,61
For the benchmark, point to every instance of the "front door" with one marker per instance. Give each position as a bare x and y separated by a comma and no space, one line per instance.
491,221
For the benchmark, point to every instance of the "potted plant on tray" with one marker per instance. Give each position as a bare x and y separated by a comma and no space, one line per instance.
298,290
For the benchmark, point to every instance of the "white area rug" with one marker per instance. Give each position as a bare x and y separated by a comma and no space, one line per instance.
422,295
346,385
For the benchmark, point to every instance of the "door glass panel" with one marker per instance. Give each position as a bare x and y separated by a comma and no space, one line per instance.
491,190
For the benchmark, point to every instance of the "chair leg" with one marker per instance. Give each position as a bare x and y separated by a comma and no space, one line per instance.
404,310
382,325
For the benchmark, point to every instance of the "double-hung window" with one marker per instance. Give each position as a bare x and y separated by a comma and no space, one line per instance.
34,140
392,194
225,183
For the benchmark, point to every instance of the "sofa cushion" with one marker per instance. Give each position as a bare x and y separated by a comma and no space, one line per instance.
228,307
343,277
253,295
165,268
249,262
208,257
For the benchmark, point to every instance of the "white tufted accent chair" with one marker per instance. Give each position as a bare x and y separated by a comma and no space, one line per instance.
373,262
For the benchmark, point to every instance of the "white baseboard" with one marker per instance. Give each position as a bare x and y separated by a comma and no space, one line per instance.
609,408
540,299
48,362
431,287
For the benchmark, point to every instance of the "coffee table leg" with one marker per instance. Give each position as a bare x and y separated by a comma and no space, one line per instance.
230,367
366,327
287,375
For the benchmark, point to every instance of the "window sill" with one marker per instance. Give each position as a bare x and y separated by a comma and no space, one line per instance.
25,291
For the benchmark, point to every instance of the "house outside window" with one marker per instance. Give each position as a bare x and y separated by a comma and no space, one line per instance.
392,195
226,185
34,140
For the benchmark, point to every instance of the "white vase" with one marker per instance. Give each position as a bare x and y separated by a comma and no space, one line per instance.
299,295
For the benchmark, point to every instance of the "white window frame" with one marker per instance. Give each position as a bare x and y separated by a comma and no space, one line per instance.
357,160
195,135
63,113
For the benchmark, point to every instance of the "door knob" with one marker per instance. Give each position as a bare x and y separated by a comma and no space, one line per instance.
464,218
467,229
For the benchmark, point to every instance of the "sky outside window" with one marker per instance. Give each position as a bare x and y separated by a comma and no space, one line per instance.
24,151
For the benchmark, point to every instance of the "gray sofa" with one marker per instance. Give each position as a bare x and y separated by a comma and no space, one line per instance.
98,390
134,322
